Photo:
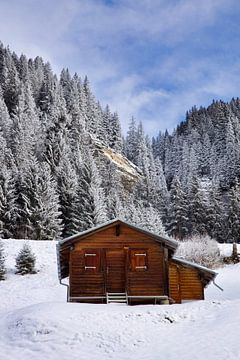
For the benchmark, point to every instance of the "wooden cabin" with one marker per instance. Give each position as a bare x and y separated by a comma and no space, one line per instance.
119,262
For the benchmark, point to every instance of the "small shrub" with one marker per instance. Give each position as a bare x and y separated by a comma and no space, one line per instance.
2,263
202,250
25,261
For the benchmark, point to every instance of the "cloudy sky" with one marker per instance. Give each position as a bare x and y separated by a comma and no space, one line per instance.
151,59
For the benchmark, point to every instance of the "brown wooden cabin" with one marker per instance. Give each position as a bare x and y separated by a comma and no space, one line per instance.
118,262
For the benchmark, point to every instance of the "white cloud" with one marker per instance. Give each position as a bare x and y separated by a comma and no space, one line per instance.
93,38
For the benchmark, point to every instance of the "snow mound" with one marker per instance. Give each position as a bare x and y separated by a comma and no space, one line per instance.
36,322
115,332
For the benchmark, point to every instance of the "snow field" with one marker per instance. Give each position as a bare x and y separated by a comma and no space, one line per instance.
37,323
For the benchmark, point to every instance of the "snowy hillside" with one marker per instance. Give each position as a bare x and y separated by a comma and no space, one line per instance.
36,322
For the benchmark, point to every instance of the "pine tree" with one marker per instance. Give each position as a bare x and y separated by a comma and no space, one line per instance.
8,203
2,263
37,214
115,141
233,218
25,261
205,157
197,209
85,200
215,220
44,211
131,141
67,189
99,199
149,219
231,156
178,211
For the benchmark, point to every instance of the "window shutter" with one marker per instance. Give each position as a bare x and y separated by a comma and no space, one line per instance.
92,260
139,260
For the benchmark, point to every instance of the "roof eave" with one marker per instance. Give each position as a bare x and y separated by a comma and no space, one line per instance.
172,244
196,266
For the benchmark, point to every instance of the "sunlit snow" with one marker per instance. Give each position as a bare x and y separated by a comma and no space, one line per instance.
36,322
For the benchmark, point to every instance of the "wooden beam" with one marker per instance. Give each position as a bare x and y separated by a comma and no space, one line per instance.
118,230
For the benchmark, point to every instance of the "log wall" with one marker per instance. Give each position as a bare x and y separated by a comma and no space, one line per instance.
114,270
184,283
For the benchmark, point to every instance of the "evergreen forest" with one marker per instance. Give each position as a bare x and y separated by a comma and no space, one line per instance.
55,180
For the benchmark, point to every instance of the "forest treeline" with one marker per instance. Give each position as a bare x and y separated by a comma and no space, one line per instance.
54,182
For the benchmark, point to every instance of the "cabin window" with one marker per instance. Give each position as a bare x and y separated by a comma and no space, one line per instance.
139,260
92,260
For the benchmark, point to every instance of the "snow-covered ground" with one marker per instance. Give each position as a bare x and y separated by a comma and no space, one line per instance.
36,322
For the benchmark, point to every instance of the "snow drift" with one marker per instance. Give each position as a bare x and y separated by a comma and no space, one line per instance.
36,322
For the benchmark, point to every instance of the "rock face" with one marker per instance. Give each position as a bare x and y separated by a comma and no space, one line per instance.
130,173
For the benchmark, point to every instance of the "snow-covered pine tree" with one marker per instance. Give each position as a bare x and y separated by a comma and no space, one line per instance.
25,261
205,156
38,215
2,262
215,219
231,156
197,208
149,219
233,218
10,81
67,189
45,215
90,108
5,121
8,205
114,191
178,219
99,199
77,117
66,85
131,141
161,194
85,201
115,141
56,130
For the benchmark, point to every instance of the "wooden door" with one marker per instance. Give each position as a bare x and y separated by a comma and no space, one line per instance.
175,283
115,270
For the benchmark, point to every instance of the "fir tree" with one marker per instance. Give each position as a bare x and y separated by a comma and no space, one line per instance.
131,141
178,211
8,203
2,263
197,209
233,218
25,261
149,219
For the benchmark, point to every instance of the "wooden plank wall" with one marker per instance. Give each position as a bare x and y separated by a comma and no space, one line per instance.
150,282
82,283
174,283
184,283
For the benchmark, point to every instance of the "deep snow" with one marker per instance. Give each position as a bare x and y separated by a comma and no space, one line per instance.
37,323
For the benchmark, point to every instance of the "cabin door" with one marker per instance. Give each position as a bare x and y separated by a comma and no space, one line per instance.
115,271
175,283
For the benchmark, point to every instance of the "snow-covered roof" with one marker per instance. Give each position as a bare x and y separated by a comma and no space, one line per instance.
191,264
172,243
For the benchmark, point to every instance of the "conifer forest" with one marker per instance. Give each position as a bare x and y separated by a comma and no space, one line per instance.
59,174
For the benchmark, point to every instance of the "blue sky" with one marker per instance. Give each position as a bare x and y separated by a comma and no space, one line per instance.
151,59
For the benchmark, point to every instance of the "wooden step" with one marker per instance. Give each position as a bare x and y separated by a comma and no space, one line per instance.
117,298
